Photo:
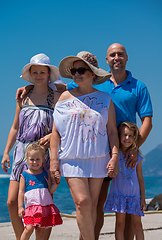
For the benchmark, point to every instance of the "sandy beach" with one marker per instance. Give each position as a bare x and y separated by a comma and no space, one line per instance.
152,224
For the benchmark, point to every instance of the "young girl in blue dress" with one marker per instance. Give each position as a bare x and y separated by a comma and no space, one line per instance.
36,189
127,192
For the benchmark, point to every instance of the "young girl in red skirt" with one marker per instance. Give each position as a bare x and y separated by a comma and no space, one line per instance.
36,188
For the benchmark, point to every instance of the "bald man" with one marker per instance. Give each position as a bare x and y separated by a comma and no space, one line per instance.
130,97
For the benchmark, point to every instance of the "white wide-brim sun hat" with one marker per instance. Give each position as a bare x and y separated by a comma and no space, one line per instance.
67,63
43,60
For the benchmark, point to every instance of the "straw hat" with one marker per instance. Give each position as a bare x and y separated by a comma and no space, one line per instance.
67,63
43,60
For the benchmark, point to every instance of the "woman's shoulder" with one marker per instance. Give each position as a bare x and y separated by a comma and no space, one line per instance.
64,96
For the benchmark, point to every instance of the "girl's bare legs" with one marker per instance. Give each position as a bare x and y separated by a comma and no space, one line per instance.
119,226
85,194
39,232
12,204
28,230
137,226
128,230
47,233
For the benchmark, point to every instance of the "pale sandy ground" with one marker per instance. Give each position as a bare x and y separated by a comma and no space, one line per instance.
152,224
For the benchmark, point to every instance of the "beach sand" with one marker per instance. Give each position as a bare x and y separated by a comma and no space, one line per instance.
152,224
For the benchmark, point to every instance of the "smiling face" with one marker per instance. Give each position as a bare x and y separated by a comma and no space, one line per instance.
39,74
116,57
87,77
35,160
126,138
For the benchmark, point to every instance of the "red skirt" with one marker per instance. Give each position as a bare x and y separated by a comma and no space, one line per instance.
42,216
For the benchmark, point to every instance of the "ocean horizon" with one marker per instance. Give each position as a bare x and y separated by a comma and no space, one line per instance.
62,196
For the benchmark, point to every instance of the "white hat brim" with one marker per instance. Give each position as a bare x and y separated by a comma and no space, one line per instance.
54,74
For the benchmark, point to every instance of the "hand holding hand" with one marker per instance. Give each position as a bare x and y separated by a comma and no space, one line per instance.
21,212
112,166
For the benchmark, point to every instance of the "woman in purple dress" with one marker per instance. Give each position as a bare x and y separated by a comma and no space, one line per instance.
33,122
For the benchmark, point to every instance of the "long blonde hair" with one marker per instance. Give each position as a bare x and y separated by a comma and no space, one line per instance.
133,127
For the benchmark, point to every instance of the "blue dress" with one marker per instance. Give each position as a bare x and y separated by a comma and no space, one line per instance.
124,195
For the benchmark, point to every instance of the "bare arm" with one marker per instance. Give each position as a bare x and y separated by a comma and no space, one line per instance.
11,140
61,87
145,129
23,92
113,141
143,134
54,144
21,197
53,186
141,185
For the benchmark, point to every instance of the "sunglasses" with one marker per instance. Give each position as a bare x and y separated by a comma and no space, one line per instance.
80,70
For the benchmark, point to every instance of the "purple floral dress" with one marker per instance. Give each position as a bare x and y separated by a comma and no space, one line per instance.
35,122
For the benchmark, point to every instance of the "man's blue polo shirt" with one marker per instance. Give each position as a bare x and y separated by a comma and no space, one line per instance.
129,97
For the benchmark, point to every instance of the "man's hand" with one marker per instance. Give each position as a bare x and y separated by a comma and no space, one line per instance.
23,92
131,156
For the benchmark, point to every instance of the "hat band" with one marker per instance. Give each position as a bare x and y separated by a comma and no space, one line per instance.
40,61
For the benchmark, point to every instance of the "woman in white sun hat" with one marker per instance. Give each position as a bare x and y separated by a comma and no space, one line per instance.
33,122
85,129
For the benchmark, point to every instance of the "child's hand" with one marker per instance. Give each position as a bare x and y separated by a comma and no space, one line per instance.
57,177
5,159
21,212
143,205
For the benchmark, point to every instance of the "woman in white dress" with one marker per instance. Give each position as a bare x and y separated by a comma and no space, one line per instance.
85,130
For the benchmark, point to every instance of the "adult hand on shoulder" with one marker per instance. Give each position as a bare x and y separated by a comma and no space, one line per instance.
45,141
22,92
5,160
132,156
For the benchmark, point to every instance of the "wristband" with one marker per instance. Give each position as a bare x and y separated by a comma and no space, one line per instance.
115,153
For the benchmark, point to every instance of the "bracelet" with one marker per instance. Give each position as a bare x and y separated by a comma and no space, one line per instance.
115,153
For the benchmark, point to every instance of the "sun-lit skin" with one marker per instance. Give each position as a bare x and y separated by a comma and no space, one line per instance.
126,138
35,160
39,74
87,77
117,57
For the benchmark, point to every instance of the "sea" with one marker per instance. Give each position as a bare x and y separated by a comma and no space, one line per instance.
62,196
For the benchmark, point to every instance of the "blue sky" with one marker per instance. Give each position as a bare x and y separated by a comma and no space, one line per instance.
62,28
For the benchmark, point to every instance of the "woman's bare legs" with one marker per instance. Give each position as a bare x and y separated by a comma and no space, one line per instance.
119,226
12,204
100,206
137,226
85,194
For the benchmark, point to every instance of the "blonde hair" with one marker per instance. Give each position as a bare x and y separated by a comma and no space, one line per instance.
35,147
133,127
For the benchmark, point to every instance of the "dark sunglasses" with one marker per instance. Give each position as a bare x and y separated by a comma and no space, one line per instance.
80,70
